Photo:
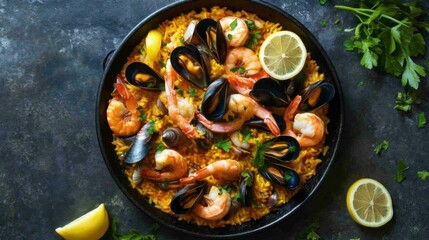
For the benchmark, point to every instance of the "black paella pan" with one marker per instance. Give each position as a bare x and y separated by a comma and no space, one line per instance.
119,58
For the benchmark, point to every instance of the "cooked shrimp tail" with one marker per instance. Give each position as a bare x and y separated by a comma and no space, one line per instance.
130,100
169,166
214,206
222,170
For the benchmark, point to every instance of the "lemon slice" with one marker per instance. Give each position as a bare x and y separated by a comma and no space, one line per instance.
282,55
369,203
153,44
91,225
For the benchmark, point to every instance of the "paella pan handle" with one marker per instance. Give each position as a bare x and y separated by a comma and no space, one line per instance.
107,58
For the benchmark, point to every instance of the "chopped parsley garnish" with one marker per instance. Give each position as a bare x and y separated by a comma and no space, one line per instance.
360,84
247,134
236,196
150,84
139,108
238,69
220,190
292,149
229,36
225,145
423,175
182,40
337,21
403,101
421,120
133,235
247,178
179,91
160,147
402,167
287,176
162,64
309,233
233,24
141,50
258,160
152,128
323,22
142,117
162,86
323,2
192,92
165,183
381,147
254,34
163,44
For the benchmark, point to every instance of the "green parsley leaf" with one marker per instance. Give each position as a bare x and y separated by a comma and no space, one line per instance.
220,190
253,39
403,101
423,175
142,117
160,147
337,21
258,160
287,176
308,233
236,196
139,108
323,22
421,120
247,134
192,92
233,25
323,2
242,70
246,174
152,128
411,74
381,147
182,40
141,50
250,24
179,91
225,145
229,36
163,44
162,86
402,167
162,64
234,69
133,234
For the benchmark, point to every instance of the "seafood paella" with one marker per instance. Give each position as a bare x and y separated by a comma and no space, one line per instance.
204,132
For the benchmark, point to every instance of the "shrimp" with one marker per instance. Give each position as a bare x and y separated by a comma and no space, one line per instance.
122,114
240,108
214,206
235,30
169,166
174,108
307,128
222,170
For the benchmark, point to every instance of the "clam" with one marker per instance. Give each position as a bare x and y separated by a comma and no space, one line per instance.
215,100
246,187
269,92
282,148
261,125
188,197
211,35
280,174
173,137
140,146
208,138
143,76
272,200
191,64
137,176
316,95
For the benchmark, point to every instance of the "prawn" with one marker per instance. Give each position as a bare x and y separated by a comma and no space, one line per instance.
169,166
222,170
243,69
235,30
179,113
214,206
122,113
241,108
307,128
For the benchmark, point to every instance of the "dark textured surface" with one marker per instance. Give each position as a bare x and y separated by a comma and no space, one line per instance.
51,169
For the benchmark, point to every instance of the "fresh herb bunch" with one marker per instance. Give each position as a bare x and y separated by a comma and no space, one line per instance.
389,36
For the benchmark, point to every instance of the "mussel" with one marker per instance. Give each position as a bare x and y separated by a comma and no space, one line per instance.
191,64
246,187
141,145
188,197
143,76
269,92
282,148
280,174
173,137
211,35
261,125
208,137
215,100
316,95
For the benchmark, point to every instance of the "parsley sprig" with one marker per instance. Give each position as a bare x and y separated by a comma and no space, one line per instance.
383,146
254,34
258,160
402,167
224,144
133,234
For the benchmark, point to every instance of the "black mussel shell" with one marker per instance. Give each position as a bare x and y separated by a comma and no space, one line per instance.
269,92
173,137
208,140
141,145
215,101
190,63
162,107
280,174
282,148
261,125
143,76
211,34
188,197
316,95
246,187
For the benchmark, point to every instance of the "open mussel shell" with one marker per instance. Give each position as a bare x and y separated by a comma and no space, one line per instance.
207,140
191,64
140,146
261,125
282,148
280,174
188,197
143,76
211,35
173,137
269,92
246,187
316,95
215,100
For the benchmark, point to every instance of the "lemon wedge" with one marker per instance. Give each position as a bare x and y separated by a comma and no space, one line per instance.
282,55
91,225
153,44
369,203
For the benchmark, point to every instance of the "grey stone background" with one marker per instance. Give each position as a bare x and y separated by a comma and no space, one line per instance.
51,169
